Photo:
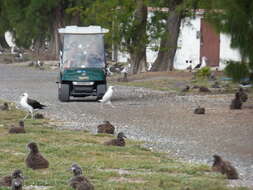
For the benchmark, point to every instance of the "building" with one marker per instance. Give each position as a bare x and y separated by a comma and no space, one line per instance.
197,41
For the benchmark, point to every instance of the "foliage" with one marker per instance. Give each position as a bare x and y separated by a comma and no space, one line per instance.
237,71
126,20
204,72
33,20
27,19
234,18
118,16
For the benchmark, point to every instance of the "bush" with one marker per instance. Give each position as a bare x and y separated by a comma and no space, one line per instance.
204,72
237,71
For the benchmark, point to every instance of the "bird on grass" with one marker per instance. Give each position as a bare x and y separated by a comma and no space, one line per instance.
216,85
34,159
7,180
30,105
106,127
17,180
120,141
243,95
204,89
186,89
224,167
125,72
236,102
78,181
4,107
107,97
18,129
212,76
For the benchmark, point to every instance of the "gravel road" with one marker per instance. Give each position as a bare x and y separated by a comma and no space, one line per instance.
164,120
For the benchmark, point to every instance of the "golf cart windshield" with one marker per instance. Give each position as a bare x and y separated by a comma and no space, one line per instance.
83,51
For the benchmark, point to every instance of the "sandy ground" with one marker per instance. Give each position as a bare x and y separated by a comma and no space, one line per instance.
164,120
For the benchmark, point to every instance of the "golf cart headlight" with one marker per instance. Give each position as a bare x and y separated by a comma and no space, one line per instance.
83,83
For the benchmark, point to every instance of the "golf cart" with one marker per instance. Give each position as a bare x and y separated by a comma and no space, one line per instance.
82,62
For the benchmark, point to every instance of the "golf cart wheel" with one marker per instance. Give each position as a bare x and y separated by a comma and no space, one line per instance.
63,92
99,98
101,89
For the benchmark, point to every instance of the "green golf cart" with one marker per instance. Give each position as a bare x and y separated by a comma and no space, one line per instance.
82,62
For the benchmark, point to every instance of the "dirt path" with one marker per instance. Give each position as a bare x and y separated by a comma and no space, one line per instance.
165,120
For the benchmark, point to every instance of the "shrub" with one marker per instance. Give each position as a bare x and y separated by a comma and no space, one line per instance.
204,72
237,71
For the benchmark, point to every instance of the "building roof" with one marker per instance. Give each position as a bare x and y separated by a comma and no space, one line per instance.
83,30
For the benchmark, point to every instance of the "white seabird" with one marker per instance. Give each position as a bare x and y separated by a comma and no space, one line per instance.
109,71
107,97
30,105
204,62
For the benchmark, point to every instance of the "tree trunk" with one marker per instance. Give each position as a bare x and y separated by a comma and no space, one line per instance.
57,23
168,44
3,43
138,41
76,19
138,62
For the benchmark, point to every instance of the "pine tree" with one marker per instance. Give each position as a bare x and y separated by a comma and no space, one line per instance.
236,19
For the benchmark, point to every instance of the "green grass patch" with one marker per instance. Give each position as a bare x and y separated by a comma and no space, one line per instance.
103,165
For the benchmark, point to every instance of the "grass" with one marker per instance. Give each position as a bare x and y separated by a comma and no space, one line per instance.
175,84
108,168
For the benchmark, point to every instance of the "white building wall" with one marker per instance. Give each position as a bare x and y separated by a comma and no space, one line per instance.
188,51
226,52
123,57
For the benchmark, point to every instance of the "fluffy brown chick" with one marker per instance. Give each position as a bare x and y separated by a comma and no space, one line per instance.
224,167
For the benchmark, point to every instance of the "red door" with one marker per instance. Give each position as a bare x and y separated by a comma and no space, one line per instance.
209,44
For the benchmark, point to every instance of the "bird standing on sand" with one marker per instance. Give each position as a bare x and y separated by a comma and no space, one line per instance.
19,129
199,110
106,127
236,102
120,141
78,181
243,95
186,89
4,107
34,159
30,105
107,97
224,167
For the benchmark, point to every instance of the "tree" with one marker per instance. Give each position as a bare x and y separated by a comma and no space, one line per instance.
127,21
234,18
168,42
34,21
137,42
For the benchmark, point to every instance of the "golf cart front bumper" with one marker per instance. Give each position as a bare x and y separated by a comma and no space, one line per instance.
80,89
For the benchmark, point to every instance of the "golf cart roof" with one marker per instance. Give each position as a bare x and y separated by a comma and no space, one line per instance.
83,30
